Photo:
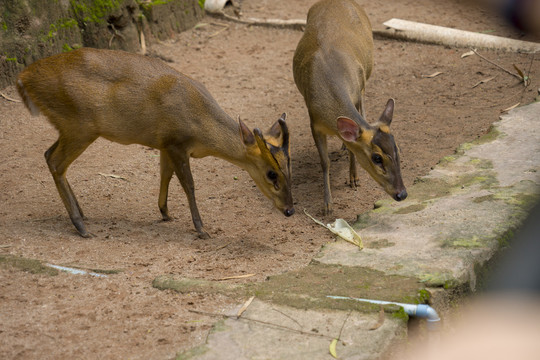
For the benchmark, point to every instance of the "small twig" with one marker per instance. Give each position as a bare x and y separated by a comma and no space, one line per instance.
483,81
222,246
236,277
296,24
225,27
497,65
343,325
527,79
115,33
530,65
288,316
219,24
8,98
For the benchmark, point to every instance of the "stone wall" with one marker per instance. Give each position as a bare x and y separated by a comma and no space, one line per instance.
33,29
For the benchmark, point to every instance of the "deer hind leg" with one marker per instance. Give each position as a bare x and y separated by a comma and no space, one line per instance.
180,162
59,156
166,173
322,147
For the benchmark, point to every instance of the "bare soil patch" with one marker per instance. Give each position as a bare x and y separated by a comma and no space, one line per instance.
249,72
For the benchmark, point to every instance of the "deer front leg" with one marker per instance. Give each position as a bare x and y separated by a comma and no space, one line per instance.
182,169
320,142
353,173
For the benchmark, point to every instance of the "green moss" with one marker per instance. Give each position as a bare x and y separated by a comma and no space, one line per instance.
438,279
29,265
201,3
186,285
94,11
411,209
150,4
471,243
484,198
424,296
485,179
61,24
464,147
522,200
363,221
505,238
429,188
481,163
447,159
310,287
401,315
106,271
492,135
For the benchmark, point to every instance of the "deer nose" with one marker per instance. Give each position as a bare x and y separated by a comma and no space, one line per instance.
402,195
288,212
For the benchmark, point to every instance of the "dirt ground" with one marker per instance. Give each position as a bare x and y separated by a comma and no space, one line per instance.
249,72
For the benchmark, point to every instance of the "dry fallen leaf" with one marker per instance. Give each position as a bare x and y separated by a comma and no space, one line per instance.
113,176
332,348
244,307
8,98
519,71
432,75
524,78
469,53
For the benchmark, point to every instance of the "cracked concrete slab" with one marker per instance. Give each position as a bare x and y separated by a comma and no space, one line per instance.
269,331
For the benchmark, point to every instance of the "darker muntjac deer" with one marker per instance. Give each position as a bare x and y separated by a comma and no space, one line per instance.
331,65
129,98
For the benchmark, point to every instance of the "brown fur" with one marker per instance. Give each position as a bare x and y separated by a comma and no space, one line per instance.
331,65
128,98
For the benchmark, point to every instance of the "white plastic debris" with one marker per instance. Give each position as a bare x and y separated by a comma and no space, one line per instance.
214,5
342,229
75,271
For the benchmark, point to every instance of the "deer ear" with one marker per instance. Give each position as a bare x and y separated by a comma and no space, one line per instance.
276,129
348,129
247,135
388,113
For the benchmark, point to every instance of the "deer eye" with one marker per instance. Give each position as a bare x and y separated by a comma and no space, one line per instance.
272,175
377,159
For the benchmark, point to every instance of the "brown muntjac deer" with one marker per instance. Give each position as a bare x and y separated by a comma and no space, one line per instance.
129,98
331,65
